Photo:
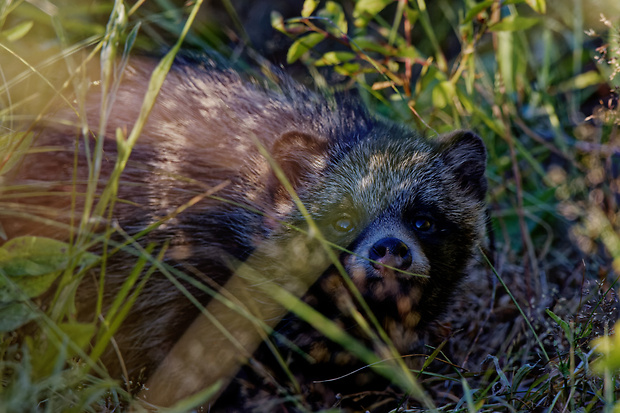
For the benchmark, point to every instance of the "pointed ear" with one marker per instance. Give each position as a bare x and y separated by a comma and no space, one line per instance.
301,157
465,155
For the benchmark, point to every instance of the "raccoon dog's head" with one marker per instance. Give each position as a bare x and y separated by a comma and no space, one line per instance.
409,211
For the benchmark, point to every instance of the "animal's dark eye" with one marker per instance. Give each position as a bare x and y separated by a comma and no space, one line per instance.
344,223
423,224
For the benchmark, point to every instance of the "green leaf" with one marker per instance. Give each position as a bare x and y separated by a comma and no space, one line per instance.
28,267
80,334
348,69
539,6
412,15
333,11
609,347
309,7
334,58
477,9
443,93
407,51
366,10
565,326
277,22
514,23
29,286
370,45
506,54
301,46
34,256
32,264
14,315
581,81
17,32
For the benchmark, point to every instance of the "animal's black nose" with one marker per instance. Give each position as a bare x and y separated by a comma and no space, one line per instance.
391,252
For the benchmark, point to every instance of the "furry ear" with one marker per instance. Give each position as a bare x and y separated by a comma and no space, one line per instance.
465,155
301,157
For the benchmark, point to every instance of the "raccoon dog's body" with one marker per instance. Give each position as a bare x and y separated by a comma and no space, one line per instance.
401,205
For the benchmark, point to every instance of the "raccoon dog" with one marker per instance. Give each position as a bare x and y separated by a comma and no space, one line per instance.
257,192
